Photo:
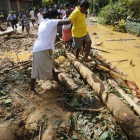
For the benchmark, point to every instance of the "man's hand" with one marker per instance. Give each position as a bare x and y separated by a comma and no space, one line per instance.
64,22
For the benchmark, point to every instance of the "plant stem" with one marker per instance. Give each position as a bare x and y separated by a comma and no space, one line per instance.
134,72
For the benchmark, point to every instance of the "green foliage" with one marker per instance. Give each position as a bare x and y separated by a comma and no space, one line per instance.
116,11
47,2
97,5
120,27
132,65
1,16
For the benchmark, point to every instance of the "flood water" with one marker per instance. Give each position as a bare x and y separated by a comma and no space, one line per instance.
119,50
16,57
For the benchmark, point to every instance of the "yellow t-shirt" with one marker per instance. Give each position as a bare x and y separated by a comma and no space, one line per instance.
78,19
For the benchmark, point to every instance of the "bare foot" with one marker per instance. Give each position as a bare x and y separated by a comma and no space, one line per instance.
33,91
87,60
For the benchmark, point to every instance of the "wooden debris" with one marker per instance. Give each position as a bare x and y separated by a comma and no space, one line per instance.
40,133
134,90
94,33
126,97
85,109
6,33
69,82
119,39
123,115
120,60
107,64
100,50
1,29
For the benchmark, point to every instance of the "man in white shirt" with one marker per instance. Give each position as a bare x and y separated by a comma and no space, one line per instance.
44,9
32,14
61,12
12,17
39,16
43,60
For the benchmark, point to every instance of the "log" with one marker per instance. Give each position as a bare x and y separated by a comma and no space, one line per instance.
134,90
126,97
123,115
107,64
72,85
6,33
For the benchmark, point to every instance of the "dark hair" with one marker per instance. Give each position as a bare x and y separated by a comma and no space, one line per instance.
85,3
68,11
67,5
78,2
51,13
40,9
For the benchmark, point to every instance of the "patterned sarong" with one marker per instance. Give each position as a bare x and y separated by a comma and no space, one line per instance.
66,35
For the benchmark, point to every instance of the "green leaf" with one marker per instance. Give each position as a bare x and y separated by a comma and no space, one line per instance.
1,92
104,135
7,101
74,137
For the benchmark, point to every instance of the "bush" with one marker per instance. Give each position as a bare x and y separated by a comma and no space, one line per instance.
113,13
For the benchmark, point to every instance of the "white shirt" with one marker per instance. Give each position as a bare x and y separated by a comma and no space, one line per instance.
39,18
32,14
11,17
62,11
68,26
46,35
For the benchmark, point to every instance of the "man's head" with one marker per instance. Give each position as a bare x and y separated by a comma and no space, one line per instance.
22,11
68,12
78,2
84,5
60,7
67,6
41,11
27,13
52,14
12,12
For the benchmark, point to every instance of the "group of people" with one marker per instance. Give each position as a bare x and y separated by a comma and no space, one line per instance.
74,28
25,18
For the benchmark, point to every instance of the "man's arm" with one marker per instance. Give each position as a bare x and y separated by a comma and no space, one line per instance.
64,22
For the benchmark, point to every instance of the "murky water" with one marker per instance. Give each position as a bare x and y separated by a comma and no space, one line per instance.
119,50
16,57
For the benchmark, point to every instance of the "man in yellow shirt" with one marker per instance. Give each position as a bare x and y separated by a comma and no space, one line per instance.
79,29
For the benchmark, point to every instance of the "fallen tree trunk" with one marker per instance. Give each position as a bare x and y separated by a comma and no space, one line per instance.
107,64
81,92
123,115
126,97
6,33
134,90
71,84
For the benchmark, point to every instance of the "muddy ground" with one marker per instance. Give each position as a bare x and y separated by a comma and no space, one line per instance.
52,114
